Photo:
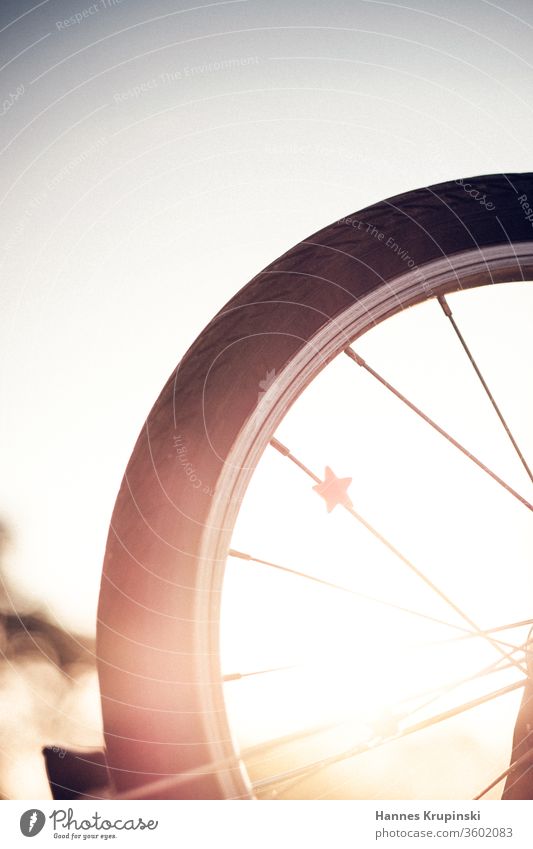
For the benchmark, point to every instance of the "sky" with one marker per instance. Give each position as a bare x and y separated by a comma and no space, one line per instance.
156,156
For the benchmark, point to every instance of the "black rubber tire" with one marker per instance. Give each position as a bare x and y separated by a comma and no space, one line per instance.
157,642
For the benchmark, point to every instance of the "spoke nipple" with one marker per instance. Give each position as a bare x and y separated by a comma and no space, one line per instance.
235,676
240,554
355,356
445,305
275,443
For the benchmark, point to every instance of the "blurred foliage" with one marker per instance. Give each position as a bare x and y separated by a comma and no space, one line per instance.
48,688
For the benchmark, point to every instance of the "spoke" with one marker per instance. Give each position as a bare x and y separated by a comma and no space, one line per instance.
360,362
508,627
317,766
448,312
445,689
528,756
496,630
286,452
469,635
465,632
435,692
243,556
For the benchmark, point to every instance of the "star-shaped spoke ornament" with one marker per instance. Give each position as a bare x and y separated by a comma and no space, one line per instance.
334,490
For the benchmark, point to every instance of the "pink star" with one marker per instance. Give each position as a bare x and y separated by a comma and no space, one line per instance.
334,490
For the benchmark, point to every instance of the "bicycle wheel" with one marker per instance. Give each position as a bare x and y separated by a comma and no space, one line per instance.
159,612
